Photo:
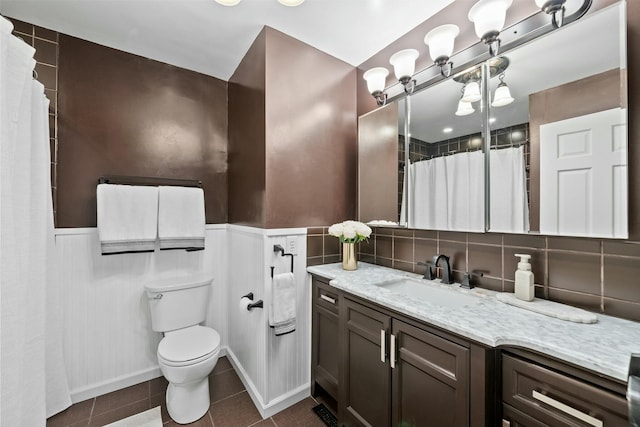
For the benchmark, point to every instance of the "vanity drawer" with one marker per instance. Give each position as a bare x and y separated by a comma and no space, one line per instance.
556,399
325,296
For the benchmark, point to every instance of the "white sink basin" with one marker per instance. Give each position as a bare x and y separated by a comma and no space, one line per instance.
433,293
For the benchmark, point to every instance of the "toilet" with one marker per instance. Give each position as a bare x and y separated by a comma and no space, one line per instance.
188,352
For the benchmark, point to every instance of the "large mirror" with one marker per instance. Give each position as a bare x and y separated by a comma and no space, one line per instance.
558,151
564,133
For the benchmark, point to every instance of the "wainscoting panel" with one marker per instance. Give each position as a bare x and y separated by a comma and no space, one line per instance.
107,337
274,369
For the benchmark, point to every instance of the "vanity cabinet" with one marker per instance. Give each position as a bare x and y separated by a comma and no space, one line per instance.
538,392
325,348
398,372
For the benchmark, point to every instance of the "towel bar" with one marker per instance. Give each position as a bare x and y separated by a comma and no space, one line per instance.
148,180
279,248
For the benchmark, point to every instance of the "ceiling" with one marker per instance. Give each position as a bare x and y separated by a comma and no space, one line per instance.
204,36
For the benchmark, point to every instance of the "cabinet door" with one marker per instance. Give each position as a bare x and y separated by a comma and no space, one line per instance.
365,386
325,358
430,379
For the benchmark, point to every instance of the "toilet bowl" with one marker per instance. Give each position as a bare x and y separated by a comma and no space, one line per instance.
188,352
186,358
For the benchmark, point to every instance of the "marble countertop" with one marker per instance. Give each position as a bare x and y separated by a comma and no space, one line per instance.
603,347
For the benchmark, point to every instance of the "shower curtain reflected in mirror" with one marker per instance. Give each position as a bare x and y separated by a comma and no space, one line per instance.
447,193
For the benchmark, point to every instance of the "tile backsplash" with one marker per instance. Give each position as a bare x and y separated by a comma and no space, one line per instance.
46,44
594,274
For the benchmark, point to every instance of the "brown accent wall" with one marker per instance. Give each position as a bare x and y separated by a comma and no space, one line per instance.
46,44
292,134
585,96
247,150
121,114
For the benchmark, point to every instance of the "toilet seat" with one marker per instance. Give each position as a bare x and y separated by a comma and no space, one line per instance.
188,346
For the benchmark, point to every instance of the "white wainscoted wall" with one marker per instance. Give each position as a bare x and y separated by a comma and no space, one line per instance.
108,341
275,370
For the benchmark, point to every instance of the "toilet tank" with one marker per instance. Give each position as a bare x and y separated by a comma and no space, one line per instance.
178,300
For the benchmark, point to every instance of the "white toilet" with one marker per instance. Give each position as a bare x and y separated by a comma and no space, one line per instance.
188,352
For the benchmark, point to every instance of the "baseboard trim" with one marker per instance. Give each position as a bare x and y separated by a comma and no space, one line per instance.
118,383
276,405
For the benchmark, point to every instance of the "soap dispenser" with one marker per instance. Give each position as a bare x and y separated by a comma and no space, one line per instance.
524,279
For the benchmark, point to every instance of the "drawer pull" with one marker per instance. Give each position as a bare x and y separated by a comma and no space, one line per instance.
567,409
506,423
383,345
328,299
392,351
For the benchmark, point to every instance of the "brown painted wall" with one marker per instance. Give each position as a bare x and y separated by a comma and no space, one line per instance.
247,181
121,114
311,126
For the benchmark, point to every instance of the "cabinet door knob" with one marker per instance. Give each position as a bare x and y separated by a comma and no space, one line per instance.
328,299
567,409
392,351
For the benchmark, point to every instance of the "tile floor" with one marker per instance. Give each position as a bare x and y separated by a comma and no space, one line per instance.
231,405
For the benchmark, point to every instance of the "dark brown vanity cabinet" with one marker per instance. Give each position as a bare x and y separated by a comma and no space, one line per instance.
397,373
538,392
325,348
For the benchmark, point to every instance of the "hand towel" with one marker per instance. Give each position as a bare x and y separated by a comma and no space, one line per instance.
282,310
127,218
181,218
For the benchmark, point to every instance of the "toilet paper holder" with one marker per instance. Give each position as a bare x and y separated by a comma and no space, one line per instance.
257,304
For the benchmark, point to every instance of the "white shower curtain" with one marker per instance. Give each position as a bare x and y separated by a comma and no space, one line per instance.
447,193
32,376
509,206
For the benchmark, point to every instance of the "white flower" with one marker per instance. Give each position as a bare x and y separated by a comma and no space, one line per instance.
336,230
350,231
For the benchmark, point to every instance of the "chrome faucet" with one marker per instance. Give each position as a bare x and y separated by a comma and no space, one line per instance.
446,268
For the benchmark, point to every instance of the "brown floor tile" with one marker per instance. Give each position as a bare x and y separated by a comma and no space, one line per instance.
120,398
299,415
236,411
77,413
119,413
205,421
264,423
158,386
161,401
222,365
224,385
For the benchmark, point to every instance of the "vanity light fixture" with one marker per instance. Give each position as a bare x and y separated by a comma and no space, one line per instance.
376,79
291,3
464,108
440,41
488,17
502,95
471,92
555,8
404,65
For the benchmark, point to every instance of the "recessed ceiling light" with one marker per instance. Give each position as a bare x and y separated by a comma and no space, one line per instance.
447,130
492,120
291,2
228,2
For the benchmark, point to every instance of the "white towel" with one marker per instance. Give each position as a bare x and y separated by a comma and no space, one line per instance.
181,218
282,310
127,218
